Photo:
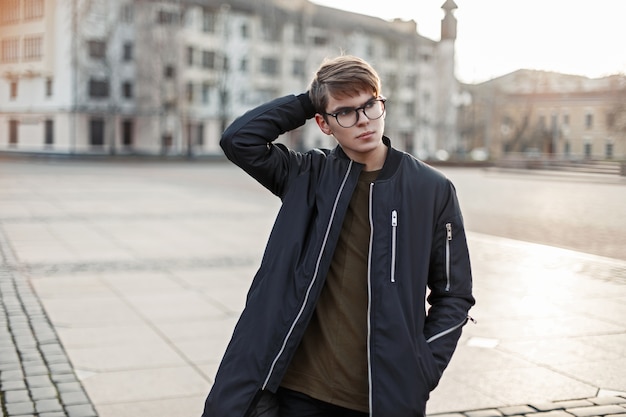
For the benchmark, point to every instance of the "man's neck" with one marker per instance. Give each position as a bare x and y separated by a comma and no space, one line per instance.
376,159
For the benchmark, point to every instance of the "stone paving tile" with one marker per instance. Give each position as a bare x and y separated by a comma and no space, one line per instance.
610,406
596,410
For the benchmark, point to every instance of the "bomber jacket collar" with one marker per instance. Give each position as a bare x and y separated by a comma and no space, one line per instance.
392,161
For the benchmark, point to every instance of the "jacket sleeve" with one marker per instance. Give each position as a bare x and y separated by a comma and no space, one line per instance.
249,140
449,282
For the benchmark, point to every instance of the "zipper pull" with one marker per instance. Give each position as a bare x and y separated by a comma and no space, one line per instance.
394,218
472,319
449,231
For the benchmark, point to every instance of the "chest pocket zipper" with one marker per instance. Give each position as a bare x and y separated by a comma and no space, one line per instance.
448,254
394,229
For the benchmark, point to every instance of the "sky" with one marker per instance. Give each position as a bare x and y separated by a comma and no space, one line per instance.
496,37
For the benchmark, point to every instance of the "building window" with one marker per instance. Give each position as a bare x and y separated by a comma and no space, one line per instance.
299,34
206,91
609,150
169,71
243,65
391,50
320,40
411,53
190,92
32,48
127,89
299,68
128,52
166,142
127,13
588,150
269,66
190,56
208,59
127,133
13,90
13,128
97,48
200,134
98,88
409,109
49,132
208,21
96,132
10,11
10,50
589,121
566,120
567,150
245,32
48,87
411,81
270,30
166,18
33,9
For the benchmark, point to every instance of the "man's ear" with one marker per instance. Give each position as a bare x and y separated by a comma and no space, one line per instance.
321,122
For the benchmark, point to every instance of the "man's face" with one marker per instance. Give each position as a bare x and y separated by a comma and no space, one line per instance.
363,140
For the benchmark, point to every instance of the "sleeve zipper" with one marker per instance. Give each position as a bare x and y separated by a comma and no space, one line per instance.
451,329
448,240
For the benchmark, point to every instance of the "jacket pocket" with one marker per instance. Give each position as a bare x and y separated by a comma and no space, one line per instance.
428,365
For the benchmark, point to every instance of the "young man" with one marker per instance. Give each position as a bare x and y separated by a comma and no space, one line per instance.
335,322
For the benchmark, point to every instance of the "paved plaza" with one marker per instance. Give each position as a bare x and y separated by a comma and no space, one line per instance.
120,284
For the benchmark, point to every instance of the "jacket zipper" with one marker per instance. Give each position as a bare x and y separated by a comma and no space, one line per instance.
450,330
394,227
369,300
448,241
315,273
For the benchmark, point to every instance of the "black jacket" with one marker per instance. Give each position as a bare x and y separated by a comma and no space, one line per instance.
417,249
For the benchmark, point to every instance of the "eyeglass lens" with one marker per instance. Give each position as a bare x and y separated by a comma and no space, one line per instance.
372,110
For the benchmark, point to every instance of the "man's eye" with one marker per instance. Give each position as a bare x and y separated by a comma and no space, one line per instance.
370,104
345,112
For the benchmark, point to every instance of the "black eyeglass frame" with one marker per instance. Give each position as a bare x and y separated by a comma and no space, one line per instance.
382,99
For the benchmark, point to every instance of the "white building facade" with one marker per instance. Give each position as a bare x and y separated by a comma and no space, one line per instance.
166,77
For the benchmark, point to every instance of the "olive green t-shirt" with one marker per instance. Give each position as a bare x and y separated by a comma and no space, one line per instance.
331,362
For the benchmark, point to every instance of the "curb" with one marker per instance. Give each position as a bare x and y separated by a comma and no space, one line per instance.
605,406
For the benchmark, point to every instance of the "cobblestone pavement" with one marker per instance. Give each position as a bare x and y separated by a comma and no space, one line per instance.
36,376
120,284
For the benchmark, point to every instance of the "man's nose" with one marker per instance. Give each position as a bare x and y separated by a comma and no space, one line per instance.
358,115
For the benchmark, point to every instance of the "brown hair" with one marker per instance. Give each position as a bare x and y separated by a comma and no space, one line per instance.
343,76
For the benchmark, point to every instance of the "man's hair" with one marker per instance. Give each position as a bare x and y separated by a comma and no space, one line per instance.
340,77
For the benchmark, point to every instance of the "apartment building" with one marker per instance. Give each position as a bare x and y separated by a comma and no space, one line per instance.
545,114
166,77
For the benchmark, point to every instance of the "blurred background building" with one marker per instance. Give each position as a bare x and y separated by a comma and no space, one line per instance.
165,77
537,114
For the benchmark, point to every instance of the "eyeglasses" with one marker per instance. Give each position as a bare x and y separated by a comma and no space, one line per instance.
348,117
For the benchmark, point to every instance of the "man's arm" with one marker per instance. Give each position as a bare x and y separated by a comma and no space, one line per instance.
248,141
450,283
